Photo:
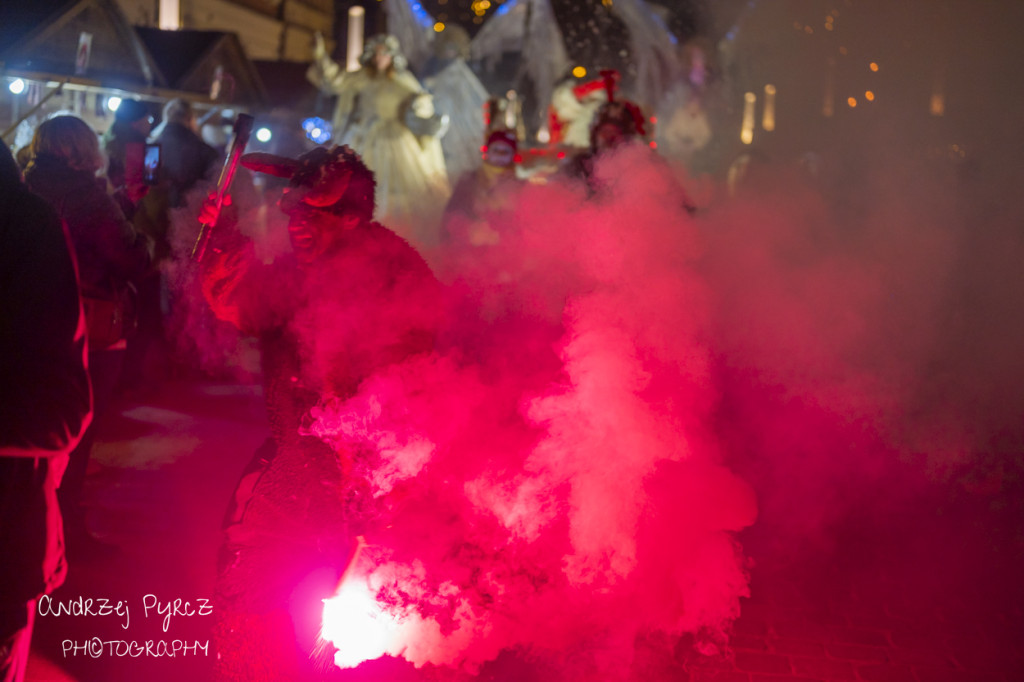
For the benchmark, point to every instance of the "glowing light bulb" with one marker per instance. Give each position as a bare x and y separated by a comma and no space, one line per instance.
873,66
579,72
438,27
17,86
264,135
852,101
869,96
113,103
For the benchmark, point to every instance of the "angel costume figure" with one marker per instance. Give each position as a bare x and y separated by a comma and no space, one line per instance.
385,115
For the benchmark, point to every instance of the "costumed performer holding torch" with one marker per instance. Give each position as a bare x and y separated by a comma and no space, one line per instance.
351,299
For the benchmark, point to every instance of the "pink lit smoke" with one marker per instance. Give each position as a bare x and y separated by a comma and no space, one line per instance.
550,476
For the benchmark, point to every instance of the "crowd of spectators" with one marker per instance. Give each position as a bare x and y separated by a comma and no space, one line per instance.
85,240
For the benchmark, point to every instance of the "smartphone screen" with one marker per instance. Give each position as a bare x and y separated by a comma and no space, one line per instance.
151,171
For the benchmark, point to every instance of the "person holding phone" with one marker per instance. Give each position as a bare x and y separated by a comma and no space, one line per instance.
124,144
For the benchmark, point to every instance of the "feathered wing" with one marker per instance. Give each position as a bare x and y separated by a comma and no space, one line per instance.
460,94
413,26
540,45
654,50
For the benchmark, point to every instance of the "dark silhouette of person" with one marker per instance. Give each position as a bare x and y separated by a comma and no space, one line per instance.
45,404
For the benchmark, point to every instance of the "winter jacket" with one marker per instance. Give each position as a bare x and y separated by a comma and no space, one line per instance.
109,250
44,390
185,160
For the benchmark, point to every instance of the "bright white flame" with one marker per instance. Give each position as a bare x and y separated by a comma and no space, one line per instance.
356,625
113,103
17,86
264,134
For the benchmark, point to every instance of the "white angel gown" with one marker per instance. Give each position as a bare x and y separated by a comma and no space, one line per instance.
371,117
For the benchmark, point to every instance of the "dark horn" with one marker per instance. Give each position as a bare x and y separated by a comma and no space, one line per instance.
271,164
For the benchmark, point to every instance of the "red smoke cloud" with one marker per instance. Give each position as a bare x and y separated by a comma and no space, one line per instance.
573,498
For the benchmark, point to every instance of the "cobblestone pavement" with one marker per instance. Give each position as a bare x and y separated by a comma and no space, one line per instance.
933,597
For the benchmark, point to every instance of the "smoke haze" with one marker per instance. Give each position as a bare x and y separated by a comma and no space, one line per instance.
620,389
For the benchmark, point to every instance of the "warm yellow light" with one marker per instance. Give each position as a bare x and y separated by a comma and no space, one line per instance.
828,27
852,101
873,66
768,115
439,26
808,30
869,96
485,4
579,72
606,3
747,129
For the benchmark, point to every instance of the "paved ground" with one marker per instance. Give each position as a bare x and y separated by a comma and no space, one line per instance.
935,598
162,476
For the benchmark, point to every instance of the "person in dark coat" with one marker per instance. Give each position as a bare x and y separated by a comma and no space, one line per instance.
44,404
132,125
352,299
112,256
184,157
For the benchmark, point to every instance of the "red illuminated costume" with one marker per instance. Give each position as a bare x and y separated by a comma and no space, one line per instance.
352,299
44,404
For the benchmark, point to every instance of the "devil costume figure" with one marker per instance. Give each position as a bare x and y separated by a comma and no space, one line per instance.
350,300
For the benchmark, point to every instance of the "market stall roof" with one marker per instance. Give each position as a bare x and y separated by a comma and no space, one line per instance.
44,39
208,63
